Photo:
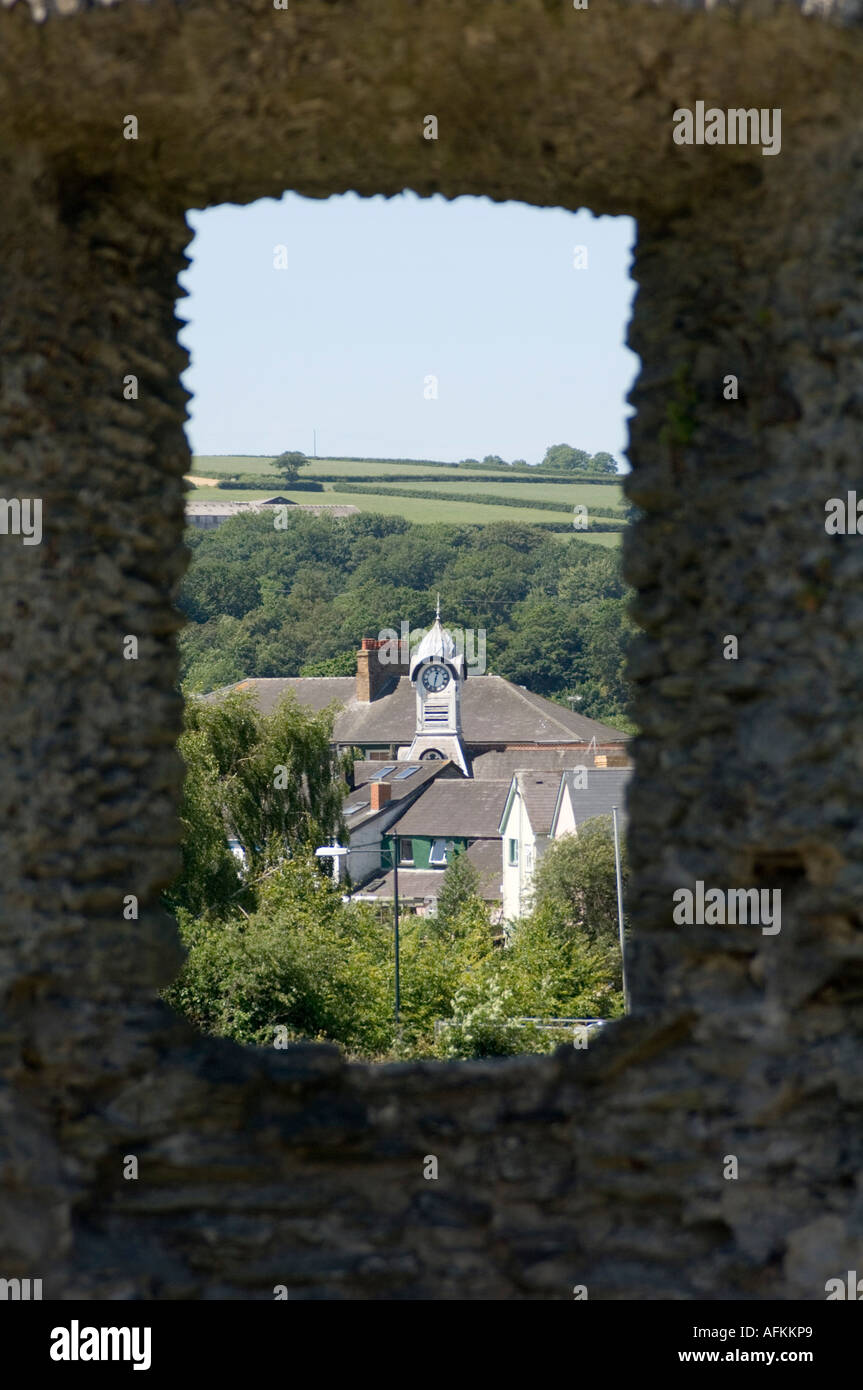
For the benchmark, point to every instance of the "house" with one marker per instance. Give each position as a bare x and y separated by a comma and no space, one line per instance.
432,707
543,806
451,815
419,889
382,794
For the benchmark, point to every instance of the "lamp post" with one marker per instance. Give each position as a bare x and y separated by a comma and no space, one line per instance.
620,906
335,852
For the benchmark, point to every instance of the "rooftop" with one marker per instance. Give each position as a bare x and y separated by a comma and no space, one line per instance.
461,808
494,711
403,779
606,787
539,791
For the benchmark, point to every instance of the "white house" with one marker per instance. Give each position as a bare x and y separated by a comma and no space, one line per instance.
543,806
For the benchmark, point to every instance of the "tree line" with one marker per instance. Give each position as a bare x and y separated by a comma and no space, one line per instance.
298,601
559,457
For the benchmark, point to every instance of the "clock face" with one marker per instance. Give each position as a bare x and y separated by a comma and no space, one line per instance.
435,678
432,755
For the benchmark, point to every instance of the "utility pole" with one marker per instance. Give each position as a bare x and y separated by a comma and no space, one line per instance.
620,906
396,916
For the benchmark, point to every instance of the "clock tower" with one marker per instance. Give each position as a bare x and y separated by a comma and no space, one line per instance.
437,673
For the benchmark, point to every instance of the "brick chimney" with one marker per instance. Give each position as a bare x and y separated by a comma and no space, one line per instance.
381,793
372,673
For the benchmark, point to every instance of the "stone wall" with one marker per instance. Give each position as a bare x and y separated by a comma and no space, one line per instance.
602,1168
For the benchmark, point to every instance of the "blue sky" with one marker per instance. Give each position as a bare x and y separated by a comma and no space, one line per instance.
381,294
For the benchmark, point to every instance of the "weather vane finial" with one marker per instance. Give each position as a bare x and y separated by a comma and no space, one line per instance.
437,610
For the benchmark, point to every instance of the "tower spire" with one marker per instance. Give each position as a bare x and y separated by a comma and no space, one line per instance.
437,610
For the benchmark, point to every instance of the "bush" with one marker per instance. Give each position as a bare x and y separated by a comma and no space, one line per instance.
575,886
261,481
481,1025
304,962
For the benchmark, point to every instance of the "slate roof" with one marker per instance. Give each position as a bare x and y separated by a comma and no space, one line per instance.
540,791
494,711
402,787
606,787
366,769
314,691
485,855
498,765
461,808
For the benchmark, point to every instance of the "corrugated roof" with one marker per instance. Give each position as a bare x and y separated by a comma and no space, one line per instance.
494,710
467,809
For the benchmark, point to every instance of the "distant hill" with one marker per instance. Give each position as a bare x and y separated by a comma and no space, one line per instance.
425,490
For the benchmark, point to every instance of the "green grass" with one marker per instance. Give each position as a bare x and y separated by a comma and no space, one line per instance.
427,509
422,510
217,465
214,465
593,538
567,494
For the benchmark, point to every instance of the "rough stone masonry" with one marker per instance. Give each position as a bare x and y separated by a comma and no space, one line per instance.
601,1168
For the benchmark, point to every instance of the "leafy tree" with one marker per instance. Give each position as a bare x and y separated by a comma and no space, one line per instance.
554,973
304,963
270,781
267,603
460,888
603,463
482,1024
289,465
606,632
541,647
209,879
564,457
435,964
345,664
575,885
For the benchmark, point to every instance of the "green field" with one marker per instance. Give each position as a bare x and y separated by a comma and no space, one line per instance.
422,509
567,494
213,465
595,538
